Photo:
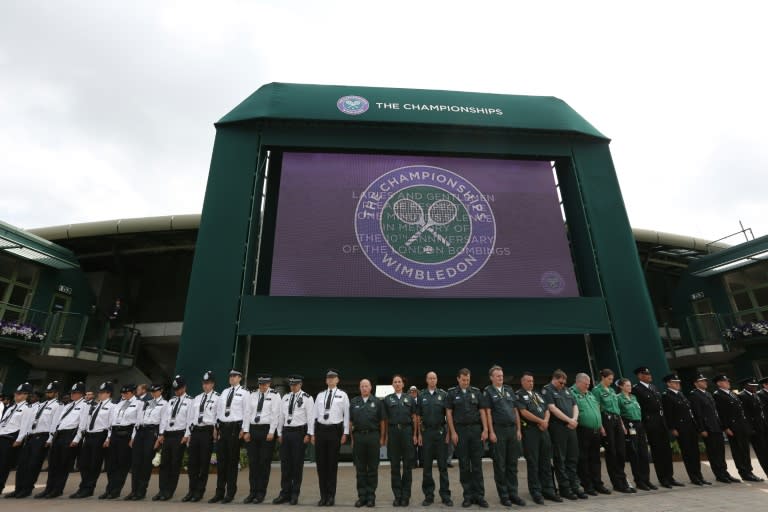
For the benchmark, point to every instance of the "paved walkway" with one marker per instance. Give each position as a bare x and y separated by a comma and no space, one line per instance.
742,497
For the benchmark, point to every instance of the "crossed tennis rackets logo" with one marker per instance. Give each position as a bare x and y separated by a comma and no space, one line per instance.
439,213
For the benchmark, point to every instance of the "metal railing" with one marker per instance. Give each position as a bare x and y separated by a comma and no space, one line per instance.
93,333
703,330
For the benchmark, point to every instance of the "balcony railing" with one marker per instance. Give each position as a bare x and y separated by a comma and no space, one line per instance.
76,332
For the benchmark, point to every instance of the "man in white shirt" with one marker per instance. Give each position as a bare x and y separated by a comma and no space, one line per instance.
262,415
230,414
95,422
35,436
202,430
14,418
173,438
62,449
143,442
124,417
296,414
329,432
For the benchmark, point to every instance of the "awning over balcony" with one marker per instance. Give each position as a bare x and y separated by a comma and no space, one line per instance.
732,258
25,245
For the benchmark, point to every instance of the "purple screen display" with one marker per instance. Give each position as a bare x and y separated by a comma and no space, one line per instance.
353,225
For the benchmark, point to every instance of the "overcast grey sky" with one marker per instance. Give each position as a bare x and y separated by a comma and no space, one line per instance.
107,108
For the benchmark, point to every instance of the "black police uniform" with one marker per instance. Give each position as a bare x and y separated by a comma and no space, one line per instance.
62,454
732,417
537,445
467,405
34,448
431,411
708,421
656,430
753,410
297,411
565,441
144,439
506,450
399,412
679,416
202,425
366,417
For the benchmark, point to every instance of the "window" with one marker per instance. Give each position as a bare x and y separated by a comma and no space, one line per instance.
748,287
742,301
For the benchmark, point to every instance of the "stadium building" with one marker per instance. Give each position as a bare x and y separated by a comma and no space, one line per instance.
345,227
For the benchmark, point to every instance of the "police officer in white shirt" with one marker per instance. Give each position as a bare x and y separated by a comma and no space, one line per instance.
13,421
173,438
230,414
296,414
35,437
62,450
143,442
201,431
95,423
262,414
124,417
329,431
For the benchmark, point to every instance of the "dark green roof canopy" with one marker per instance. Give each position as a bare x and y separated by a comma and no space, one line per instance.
23,244
412,106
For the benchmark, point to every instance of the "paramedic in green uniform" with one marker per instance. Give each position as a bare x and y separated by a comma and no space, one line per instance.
366,415
433,438
615,432
537,447
562,429
400,413
637,442
589,432
504,435
469,430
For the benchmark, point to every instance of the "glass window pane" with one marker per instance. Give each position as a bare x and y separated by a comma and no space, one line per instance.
11,315
3,288
742,301
26,273
735,280
7,266
19,295
761,296
757,274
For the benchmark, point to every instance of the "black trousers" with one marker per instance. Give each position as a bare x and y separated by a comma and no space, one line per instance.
8,456
260,457
759,441
227,457
740,450
200,450
637,452
292,449
589,458
92,455
688,440
615,450
435,448
31,457
170,462
716,454
327,444
469,451
661,451
60,458
141,464
119,459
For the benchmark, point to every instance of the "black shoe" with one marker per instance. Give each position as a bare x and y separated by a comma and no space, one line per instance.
10,495
53,495
187,498
448,502
129,497
467,502
159,496
569,496
41,495
359,503
23,494
258,499
539,500
625,490
506,502
554,497
581,495
676,483
166,497
249,498
195,499
517,500
642,486
139,497
706,482
396,502
80,495
216,498
428,501
652,487
371,503
697,482
666,485
105,496
603,489
591,492
279,500
733,480
332,501
752,478
294,500
481,503
723,479
227,499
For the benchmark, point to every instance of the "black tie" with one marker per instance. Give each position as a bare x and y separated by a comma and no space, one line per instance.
260,406
7,415
202,408
229,401
69,410
328,398
94,416
290,405
175,409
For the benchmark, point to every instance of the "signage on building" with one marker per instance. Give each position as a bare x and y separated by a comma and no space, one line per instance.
697,295
66,290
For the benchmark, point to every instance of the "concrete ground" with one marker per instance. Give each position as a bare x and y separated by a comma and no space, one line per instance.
718,497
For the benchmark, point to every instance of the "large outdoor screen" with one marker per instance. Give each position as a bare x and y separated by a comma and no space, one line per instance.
359,225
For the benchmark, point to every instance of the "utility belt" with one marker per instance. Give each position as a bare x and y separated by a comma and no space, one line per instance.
467,424
503,425
332,426
38,434
230,424
95,434
436,426
174,433
202,428
609,416
12,435
300,428
148,428
401,426
118,429
259,427
64,432
366,431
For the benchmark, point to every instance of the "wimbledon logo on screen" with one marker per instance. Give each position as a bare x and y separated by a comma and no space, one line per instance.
425,227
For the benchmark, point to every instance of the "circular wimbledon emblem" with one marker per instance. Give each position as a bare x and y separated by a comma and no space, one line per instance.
552,282
425,227
353,105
